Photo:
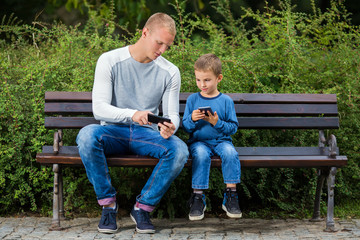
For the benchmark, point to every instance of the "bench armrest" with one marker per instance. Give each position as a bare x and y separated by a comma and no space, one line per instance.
57,141
332,146
331,142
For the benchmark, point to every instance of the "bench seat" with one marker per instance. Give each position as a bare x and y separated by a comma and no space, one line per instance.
249,157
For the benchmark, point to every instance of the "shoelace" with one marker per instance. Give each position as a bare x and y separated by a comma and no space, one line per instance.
232,199
144,216
192,199
108,216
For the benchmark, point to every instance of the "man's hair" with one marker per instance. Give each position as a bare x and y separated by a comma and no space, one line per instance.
208,62
161,20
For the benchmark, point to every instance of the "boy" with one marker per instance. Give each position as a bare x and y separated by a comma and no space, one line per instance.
210,135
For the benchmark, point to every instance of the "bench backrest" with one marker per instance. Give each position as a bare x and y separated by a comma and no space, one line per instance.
254,111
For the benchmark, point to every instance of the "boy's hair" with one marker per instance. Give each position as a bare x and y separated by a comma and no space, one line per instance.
161,20
208,62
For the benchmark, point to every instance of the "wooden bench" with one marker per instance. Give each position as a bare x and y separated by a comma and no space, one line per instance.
72,110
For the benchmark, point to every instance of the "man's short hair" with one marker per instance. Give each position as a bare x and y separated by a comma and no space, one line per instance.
161,20
208,62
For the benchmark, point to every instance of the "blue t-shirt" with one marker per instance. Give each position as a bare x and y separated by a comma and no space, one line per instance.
204,131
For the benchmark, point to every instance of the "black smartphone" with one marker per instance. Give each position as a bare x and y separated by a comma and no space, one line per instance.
157,119
206,109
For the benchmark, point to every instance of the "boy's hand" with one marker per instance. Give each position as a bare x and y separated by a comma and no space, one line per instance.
197,115
211,118
166,129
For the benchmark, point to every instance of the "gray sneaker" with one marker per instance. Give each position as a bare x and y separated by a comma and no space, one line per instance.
231,204
197,206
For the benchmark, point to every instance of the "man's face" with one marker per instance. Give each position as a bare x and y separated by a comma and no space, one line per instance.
158,40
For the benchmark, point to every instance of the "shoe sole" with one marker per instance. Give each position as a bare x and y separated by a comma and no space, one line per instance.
101,230
231,215
140,230
197,218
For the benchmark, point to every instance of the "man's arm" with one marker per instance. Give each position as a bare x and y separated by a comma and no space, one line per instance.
102,95
170,100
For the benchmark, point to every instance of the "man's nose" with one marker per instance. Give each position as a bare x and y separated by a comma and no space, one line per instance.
163,48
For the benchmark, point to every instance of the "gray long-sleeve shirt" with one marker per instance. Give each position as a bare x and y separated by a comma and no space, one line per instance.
123,86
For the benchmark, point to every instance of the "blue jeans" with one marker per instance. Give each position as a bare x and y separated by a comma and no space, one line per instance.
201,161
95,142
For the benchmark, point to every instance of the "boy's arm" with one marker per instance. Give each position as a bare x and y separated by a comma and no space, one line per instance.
188,124
230,125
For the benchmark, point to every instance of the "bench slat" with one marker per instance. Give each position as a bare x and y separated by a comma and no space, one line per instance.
69,122
287,109
244,123
249,157
282,98
242,151
237,97
288,123
246,161
68,108
241,109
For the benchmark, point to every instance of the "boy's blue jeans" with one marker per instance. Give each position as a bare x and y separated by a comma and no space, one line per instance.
201,161
95,142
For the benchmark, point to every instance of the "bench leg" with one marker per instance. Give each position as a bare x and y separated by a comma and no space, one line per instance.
55,224
61,196
330,224
320,183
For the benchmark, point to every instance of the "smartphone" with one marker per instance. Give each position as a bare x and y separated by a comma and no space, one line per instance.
157,119
205,110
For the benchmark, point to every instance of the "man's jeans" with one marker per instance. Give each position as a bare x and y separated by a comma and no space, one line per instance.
201,161
95,142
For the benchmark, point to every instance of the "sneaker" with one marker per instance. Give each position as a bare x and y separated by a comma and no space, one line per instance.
197,206
142,220
107,222
231,204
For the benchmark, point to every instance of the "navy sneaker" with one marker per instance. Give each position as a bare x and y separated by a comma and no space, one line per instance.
197,206
231,204
107,222
142,220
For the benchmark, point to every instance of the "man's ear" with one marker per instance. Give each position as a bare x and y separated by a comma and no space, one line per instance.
145,32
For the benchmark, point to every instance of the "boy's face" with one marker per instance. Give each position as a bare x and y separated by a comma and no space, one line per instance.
158,41
207,82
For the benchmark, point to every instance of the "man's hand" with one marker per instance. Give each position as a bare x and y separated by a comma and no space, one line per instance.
211,118
197,115
141,117
166,129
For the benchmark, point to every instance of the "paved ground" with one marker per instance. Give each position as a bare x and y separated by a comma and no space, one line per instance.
209,228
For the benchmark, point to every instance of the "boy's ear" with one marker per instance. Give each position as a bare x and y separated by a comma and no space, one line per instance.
219,78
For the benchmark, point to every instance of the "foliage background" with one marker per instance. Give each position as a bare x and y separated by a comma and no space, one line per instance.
276,50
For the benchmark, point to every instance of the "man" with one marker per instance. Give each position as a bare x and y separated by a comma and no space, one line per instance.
130,83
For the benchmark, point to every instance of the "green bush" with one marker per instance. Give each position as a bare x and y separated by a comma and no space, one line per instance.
286,52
